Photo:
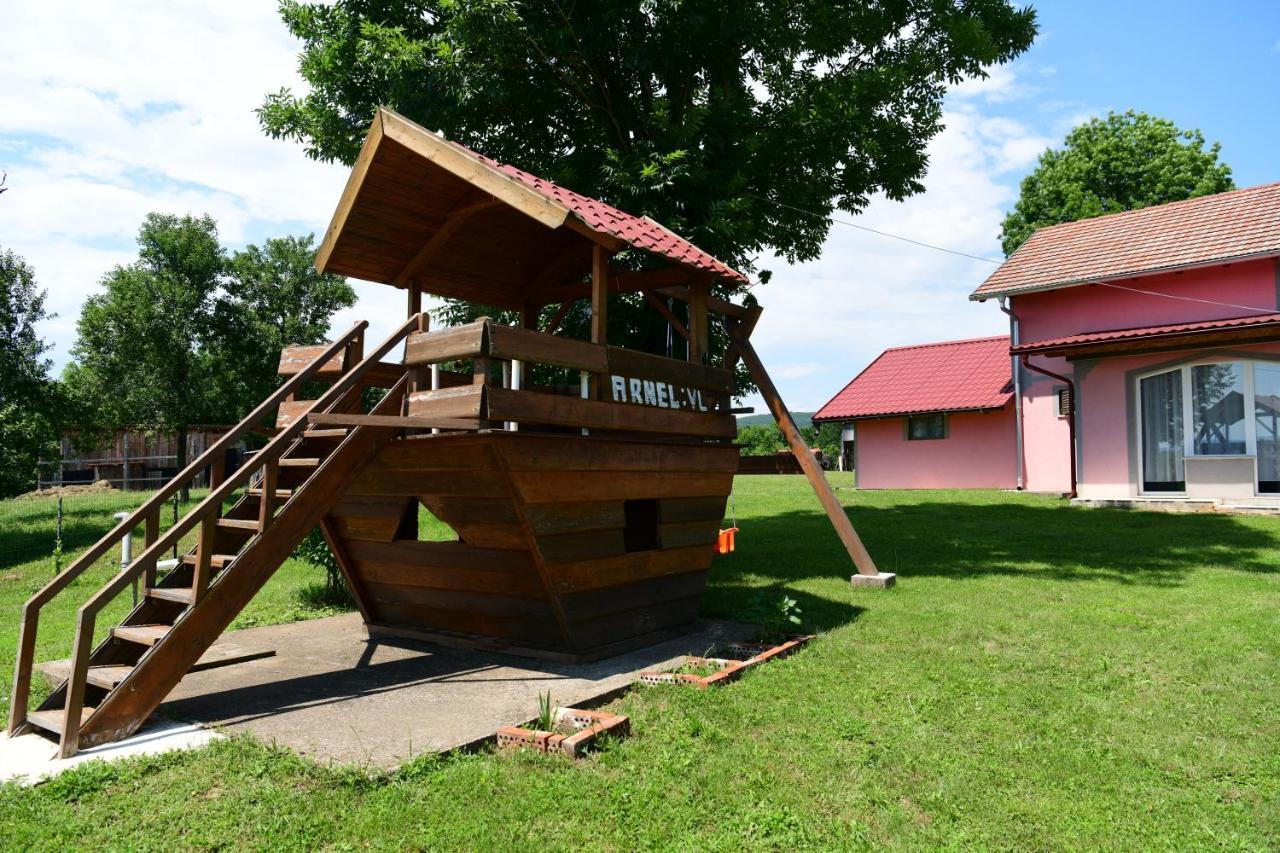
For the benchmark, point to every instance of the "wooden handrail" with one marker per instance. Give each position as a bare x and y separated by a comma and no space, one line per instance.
87,613
146,513
270,453
487,339
156,501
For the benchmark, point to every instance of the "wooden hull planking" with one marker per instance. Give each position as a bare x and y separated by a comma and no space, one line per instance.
568,547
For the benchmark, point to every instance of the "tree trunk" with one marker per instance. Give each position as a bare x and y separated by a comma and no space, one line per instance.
181,448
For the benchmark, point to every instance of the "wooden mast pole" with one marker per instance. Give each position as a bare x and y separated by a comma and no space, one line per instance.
868,574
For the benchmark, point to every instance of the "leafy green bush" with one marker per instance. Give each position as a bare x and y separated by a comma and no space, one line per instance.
315,550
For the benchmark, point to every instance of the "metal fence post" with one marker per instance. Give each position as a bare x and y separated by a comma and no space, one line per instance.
57,542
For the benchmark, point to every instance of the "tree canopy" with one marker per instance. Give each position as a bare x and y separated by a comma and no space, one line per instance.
29,401
189,334
732,123
1125,161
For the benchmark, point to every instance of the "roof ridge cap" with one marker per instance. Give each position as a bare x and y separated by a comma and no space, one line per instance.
1162,206
986,339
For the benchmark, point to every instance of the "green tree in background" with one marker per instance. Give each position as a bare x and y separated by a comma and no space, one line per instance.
187,334
1125,161
273,298
29,400
742,124
141,357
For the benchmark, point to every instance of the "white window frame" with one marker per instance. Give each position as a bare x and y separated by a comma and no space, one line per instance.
1188,416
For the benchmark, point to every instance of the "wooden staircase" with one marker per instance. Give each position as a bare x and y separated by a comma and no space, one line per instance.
291,483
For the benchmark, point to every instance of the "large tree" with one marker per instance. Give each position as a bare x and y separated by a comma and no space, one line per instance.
1122,162
28,399
742,124
273,296
186,334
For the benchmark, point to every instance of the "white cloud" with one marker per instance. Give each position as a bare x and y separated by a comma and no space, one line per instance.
111,110
1001,84
868,292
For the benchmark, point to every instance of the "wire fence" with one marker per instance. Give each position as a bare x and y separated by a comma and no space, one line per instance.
52,526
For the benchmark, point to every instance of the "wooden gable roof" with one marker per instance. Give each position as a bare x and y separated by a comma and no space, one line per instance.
420,209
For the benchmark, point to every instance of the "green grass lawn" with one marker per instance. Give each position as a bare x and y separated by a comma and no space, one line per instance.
1042,677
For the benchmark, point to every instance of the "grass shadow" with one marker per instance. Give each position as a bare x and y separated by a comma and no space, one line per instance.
960,540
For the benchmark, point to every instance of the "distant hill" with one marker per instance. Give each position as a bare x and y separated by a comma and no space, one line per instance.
803,419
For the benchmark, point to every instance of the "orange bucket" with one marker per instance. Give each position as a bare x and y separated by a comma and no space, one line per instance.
724,543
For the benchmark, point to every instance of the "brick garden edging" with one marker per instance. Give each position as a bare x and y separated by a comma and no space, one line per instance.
590,726
730,668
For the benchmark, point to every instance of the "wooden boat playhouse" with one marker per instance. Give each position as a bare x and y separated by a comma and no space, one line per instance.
586,511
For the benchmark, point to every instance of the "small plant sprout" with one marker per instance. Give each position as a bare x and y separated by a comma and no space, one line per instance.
547,713
779,620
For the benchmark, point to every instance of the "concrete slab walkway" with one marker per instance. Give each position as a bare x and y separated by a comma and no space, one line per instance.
31,758
335,695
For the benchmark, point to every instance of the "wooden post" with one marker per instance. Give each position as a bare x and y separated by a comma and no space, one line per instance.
698,294
204,557
415,301
150,535
22,670
267,506
599,295
868,574
76,682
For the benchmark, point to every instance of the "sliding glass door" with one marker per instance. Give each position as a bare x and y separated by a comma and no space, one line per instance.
1162,436
1266,417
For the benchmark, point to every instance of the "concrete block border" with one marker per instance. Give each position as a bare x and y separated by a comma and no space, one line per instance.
743,657
589,726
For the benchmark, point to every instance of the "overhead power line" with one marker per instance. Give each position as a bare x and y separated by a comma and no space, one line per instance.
881,233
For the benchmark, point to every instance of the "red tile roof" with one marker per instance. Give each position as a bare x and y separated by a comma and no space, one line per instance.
1177,330
951,376
638,231
1227,226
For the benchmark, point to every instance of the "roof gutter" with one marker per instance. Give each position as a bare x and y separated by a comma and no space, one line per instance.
1015,332
1071,413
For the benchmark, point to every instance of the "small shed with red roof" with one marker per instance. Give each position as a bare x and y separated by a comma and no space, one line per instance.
932,416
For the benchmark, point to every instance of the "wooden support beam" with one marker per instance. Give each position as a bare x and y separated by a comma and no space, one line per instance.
599,296
563,312
415,302
714,303
812,470
454,219
698,327
656,302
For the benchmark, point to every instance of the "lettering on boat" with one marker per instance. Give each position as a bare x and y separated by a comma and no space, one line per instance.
663,395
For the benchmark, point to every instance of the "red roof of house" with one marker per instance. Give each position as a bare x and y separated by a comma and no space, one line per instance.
638,231
1145,332
1213,228
951,376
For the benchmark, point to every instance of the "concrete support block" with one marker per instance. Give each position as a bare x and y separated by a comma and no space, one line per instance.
880,580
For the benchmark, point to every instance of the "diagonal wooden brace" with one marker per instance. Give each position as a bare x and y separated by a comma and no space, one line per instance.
868,574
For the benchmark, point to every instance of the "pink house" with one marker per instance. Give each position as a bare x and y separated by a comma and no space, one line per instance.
932,416
1147,346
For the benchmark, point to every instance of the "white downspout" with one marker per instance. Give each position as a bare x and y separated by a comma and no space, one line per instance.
1014,340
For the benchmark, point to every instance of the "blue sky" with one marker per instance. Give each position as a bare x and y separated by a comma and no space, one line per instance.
112,110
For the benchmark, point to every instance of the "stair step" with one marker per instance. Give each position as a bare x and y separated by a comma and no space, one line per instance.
299,462
336,432
281,494
217,561
180,594
108,675
239,524
146,635
51,720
